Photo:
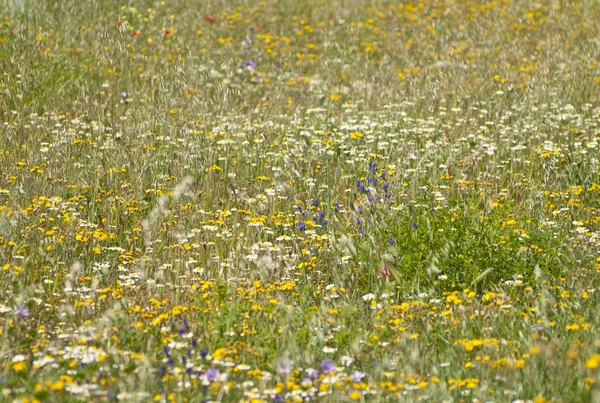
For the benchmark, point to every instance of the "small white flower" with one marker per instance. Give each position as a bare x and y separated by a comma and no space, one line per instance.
329,350
346,360
368,297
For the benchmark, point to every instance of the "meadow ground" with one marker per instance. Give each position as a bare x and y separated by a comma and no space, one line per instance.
288,201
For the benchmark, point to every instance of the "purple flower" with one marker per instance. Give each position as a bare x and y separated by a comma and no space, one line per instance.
372,167
327,366
284,368
414,224
336,207
357,376
250,64
22,311
301,226
386,186
538,328
186,324
204,353
212,374
315,203
313,373
123,94
391,241
278,399
245,52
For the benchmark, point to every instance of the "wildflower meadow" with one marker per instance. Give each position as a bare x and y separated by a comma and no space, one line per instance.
291,201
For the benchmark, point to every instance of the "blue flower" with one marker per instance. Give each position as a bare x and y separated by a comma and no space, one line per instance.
391,241
361,187
301,226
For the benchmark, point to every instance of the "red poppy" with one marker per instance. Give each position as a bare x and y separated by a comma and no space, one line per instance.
120,24
167,32
385,271
210,19
134,33
258,26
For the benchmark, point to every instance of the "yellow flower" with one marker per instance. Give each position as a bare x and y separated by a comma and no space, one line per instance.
593,362
18,366
56,386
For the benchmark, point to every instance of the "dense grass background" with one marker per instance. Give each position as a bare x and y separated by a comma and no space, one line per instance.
284,201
